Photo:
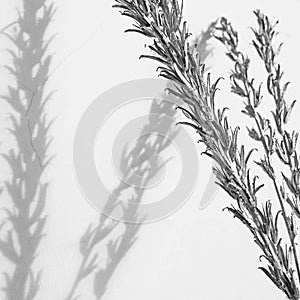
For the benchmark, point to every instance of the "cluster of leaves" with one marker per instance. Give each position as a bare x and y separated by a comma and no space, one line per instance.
274,139
135,161
23,230
161,20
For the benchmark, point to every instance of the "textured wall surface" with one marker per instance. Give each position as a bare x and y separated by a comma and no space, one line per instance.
192,253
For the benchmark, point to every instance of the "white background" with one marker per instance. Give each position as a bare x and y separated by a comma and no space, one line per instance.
193,254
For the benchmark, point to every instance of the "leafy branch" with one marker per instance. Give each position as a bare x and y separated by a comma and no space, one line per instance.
286,142
162,21
264,133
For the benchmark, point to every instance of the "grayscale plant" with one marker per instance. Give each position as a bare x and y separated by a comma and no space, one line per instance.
162,21
275,139
23,229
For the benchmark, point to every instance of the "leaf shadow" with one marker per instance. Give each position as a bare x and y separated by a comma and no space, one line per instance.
100,235
23,228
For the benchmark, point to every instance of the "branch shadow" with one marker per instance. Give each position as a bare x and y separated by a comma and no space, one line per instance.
23,228
97,236
138,169
140,155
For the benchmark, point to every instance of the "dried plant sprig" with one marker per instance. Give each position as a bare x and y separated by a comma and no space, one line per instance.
161,20
285,142
24,228
265,133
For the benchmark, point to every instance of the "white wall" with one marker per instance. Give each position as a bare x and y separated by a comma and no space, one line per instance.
193,254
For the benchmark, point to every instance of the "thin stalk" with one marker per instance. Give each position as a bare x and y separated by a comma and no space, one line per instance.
287,142
239,76
285,217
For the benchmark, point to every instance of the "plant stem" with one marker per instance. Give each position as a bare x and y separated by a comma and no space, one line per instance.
291,238
239,76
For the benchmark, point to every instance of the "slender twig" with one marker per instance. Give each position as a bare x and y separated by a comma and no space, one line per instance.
286,142
244,87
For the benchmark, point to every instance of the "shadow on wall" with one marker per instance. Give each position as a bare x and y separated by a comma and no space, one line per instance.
23,229
133,162
137,172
